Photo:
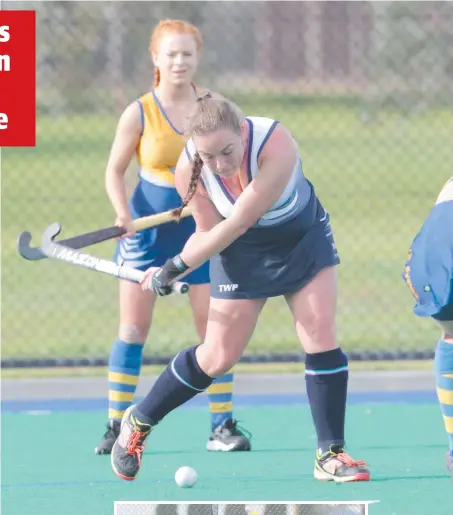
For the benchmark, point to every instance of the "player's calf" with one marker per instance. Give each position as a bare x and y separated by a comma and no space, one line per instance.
179,382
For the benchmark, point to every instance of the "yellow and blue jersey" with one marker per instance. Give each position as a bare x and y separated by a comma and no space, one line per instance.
157,154
160,145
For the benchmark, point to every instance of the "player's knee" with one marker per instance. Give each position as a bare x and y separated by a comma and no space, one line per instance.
133,333
321,331
447,329
448,337
215,360
219,368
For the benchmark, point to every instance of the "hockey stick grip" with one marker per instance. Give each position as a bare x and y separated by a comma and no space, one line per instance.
135,275
158,219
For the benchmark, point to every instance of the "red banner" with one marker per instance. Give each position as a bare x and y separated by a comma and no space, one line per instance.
17,78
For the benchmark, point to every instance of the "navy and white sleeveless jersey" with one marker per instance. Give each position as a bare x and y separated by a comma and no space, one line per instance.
291,202
428,271
288,245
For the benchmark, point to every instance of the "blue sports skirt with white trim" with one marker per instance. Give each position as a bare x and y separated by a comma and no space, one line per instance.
278,260
152,247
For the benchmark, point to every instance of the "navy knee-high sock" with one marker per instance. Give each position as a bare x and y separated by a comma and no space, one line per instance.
178,383
326,377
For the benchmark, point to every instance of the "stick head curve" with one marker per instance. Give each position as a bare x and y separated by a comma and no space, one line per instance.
50,233
26,250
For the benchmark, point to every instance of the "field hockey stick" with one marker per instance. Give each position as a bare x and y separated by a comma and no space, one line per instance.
60,252
91,238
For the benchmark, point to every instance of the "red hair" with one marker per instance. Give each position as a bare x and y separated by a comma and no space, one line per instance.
165,27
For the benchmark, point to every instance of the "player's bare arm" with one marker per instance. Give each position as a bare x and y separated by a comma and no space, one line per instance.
126,139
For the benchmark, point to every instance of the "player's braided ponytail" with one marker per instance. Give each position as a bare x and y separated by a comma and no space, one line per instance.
197,165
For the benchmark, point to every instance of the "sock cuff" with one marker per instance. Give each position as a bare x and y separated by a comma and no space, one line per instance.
125,358
130,348
331,361
443,360
143,418
187,370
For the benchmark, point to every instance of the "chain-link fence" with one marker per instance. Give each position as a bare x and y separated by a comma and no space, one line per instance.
125,508
365,87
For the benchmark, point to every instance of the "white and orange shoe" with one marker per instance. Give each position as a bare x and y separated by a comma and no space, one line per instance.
336,465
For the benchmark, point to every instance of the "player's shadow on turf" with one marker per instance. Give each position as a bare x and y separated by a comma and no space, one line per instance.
153,452
382,479
198,450
394,447
281,449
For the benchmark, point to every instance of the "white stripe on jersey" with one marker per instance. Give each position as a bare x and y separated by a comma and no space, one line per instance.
289,201
446,194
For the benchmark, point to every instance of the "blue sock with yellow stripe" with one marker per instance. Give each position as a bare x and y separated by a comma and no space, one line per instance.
443,363
124,371
221,399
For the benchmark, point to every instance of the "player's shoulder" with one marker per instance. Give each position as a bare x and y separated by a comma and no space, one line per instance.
268,132
147,98
267,129
131,118
149,105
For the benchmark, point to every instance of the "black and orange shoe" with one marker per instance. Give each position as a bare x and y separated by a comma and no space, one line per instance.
126,456
229,437
336,465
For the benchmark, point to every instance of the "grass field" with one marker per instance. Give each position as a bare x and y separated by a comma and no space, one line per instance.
377,181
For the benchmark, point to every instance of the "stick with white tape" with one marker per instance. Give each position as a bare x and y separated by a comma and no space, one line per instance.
54,250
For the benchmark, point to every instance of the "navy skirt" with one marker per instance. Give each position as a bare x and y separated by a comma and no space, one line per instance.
278,260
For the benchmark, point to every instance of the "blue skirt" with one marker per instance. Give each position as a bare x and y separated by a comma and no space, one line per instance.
152,247
272,261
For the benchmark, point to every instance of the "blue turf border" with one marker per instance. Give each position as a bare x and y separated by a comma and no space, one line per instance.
365,355
100,404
